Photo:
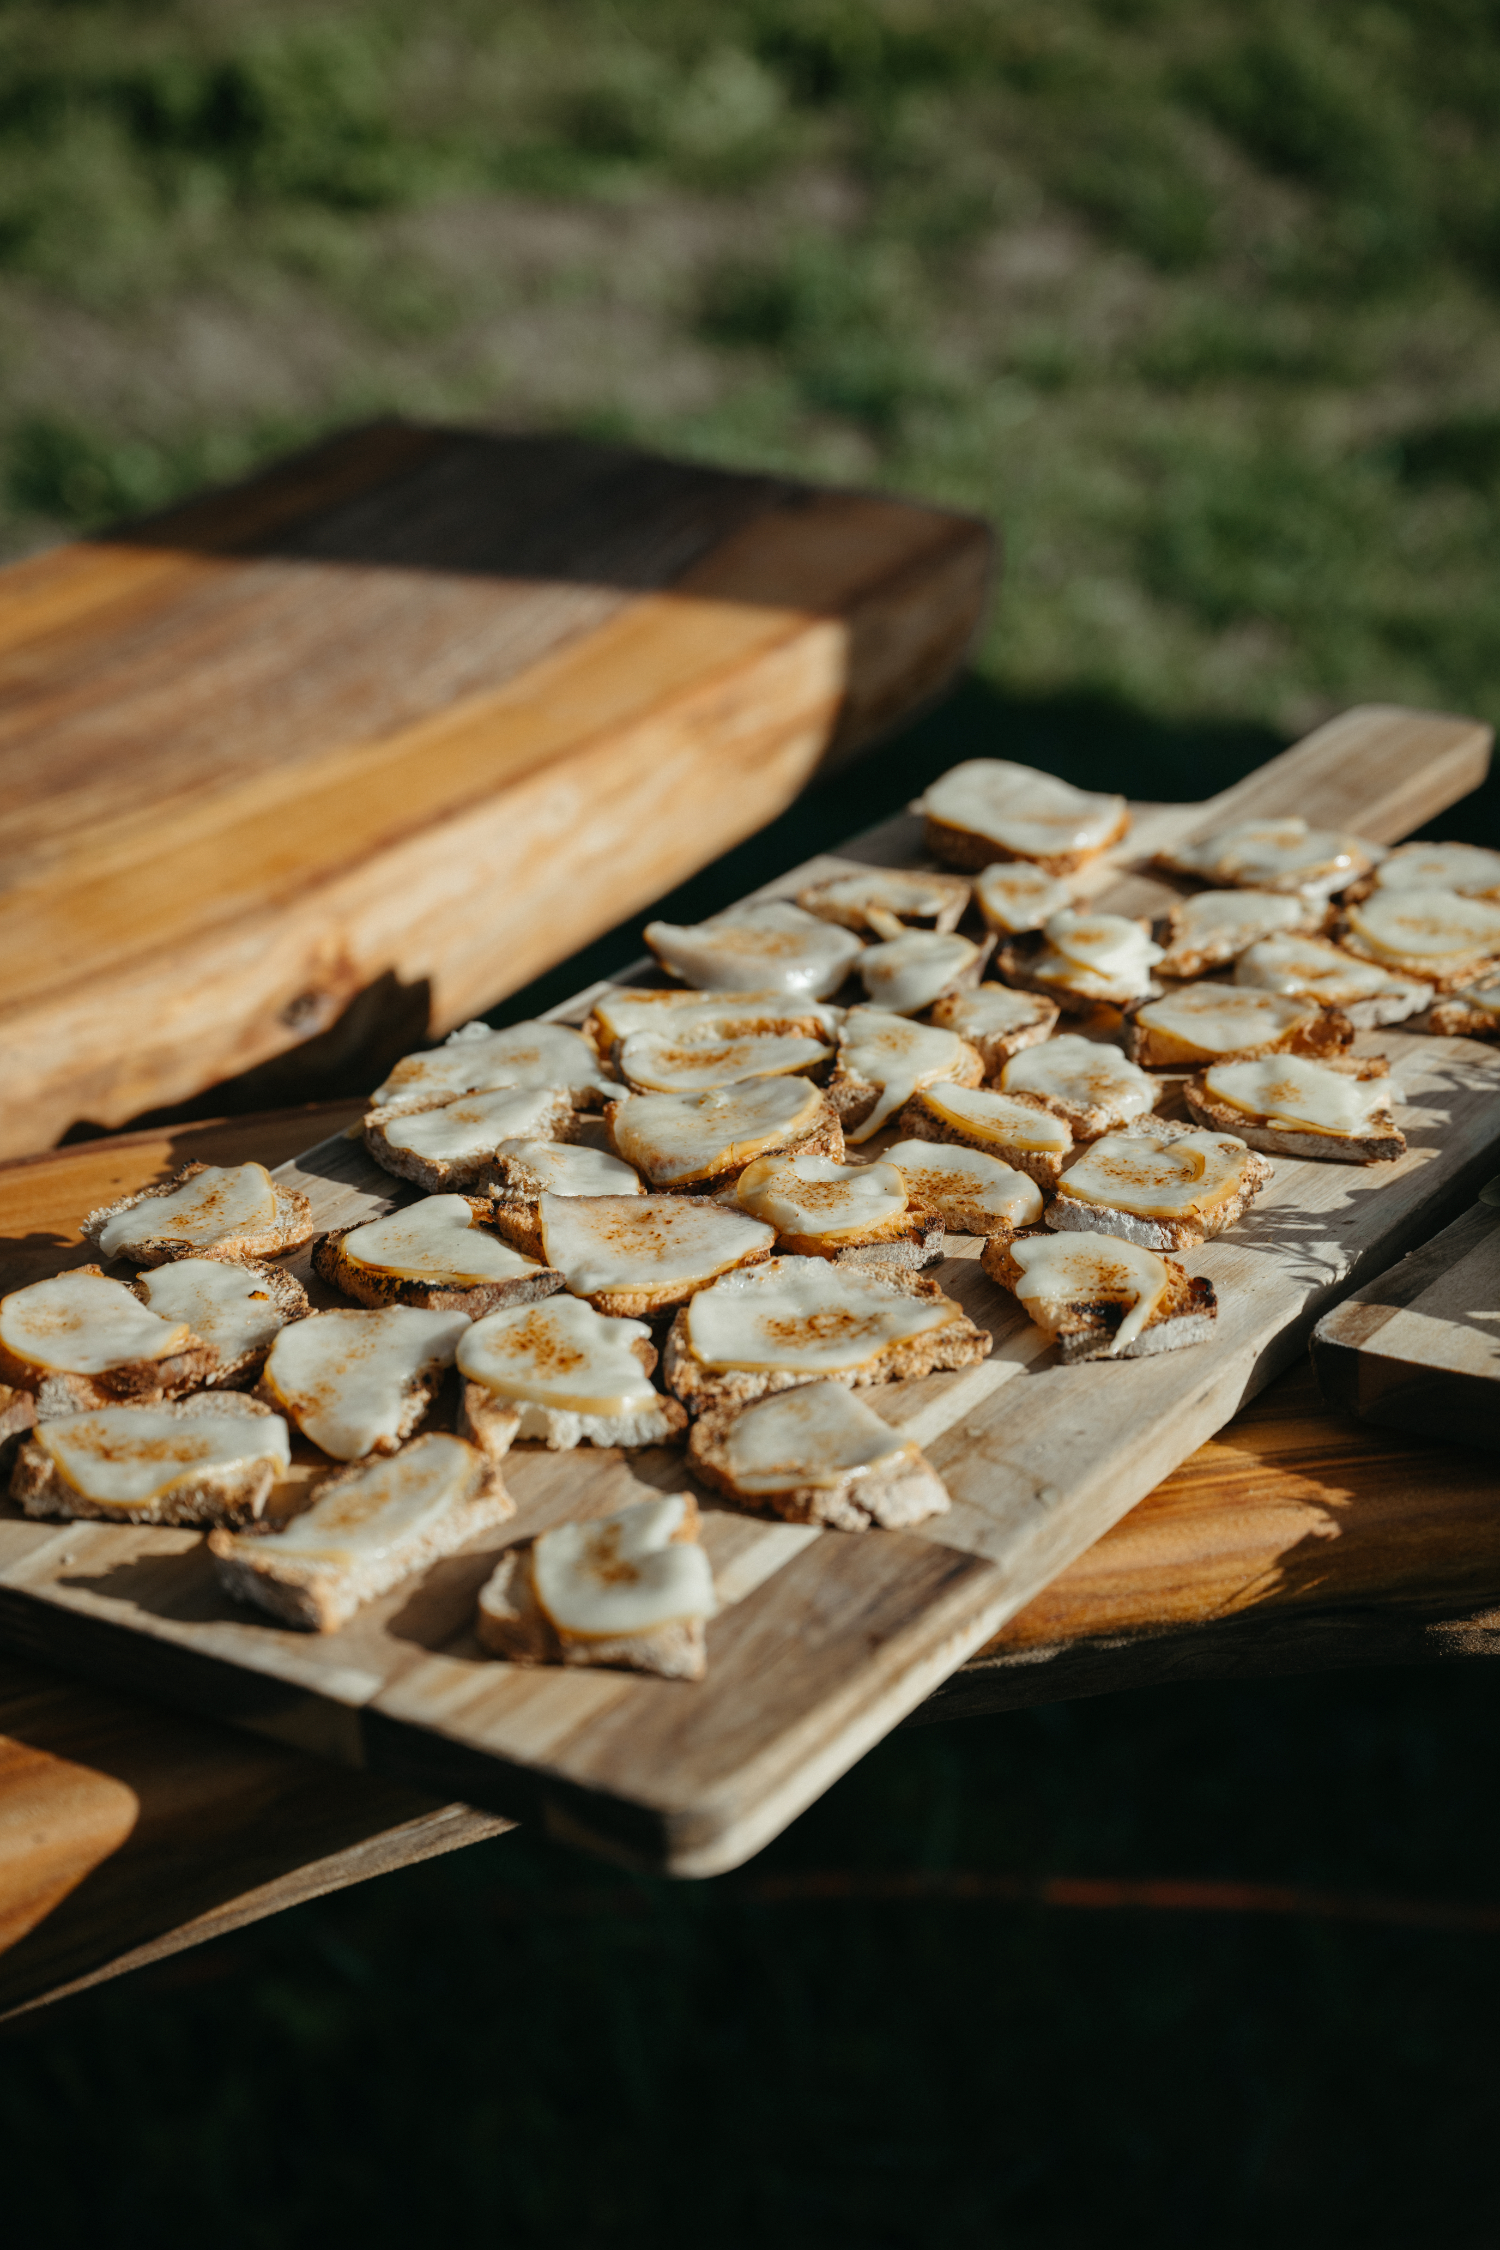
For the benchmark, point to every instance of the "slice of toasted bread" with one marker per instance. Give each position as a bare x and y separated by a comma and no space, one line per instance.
1274,855
1438,937
800,1320
883,902
913,972
237,1306
476,1059
668,1009
884,1059
1087,1327
634,1256
642,1569
440,1254
697,1143
855,1214
367,1529
205,1211
1031,965
88,1340
767,945
1310,968
1209,929
1021,1134
817,1454
1208,1023
564,1374
214,1473
1168,1188
360,1382
1087,1083
965,1190
446,1143
988,809
996,1021
654,1062
1472,1013
1283,1134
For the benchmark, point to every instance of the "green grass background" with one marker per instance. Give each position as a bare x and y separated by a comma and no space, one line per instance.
1199,304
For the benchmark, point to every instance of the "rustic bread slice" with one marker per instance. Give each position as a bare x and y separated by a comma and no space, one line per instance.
1013,896
211,1459
1168,1188
1472,869
654,1062
367,1529
1439,937
1020,1134
988,809
802,1320
1471,1013
1087,1083
564,1374
1275,855
921,967
1277,1099
476,1060
1206,1023
817,1455
446,1143
1212,928
965,1190
631,1591
440,1254
668,1009
996,1022
767,946
633,1256
882,901
1311,968
697,1143
88,1339
205,1211
360,1382
237,1306
1084,960
855,1214
884,1059
1098,1298
18,1415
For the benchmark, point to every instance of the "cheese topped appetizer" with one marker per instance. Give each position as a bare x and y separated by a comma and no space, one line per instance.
1440,937
634,1255
632,1590
1213,928
207,1211
237,1309
1098,1297
476,1060
705,1140
1085,959
1218,1022
923,966
856,1214
989,809
620,1010
817,1454
884,1059
450,1142
1089,1084
96,1333
525,1170
802,1320
565,1374
772,947
360,1382
438,1253
1167,1194
1015,897
1020,1133
369,1528
1468,868
997,1022
1310,968
656,1062
1294,1105
1276,855
1473,1012
206,1460
881,901
965,1189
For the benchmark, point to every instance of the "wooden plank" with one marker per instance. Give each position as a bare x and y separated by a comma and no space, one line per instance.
432,708
1419,1349
824,1642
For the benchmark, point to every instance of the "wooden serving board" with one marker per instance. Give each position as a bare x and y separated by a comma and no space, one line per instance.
824,1641
1419,1349
353,751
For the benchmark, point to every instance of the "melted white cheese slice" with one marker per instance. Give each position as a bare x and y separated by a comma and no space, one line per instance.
1031,814
345,1377
626,1573
566,1170
83,1323
1110,944
1441,867
437,1240
126,1456
658,1063
897,1056
1295,1090
813,1195
715,1015
229,1306
805,1316
1190,1178
678,1138
886,898
943,1176
1060,1270
389,1504
607,1242
475,1124
475,1059
776,947
1278,854
820,1435
1221,1019
1434,927
562,1354
992,1011
221,1200
1000,1118
910,972
1222,924
1309,968
1015,896
1084,1072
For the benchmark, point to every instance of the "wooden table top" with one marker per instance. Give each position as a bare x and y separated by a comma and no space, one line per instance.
1296,1539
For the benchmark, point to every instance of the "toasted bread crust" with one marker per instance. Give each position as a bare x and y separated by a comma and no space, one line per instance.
902,1244
824,1137
135,1382
319,1597
230,1494
511,1623
377,1289
919,1123
481,1412
292,1227
1322,1032
1457,1019
290,1299
995,1048
1381,1146
1070,1214
892,1494
1476,966
854,1097
445,1175
817,899
1016,962
521,1228
1087,1328
1185,964
965,847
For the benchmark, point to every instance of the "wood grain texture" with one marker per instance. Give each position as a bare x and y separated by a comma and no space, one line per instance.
823,1642
429,707
1419,1349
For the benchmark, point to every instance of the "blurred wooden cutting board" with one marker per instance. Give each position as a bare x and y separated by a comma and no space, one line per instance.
413,716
